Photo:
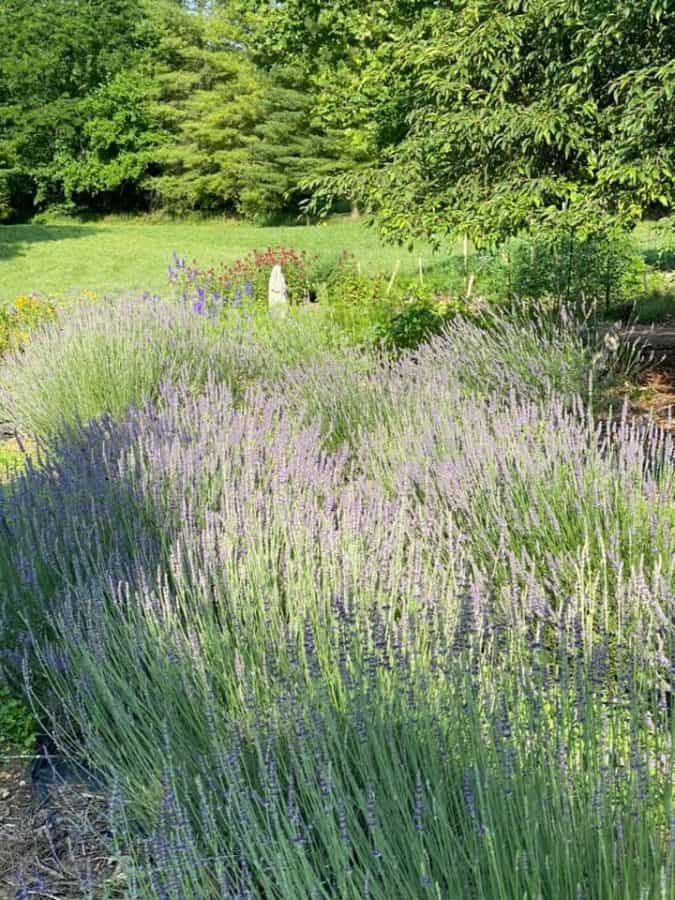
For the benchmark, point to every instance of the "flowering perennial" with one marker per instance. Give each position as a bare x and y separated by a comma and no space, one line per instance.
433,661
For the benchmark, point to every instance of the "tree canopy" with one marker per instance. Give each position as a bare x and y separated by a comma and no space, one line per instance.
488,116
55,56
476,116
153,103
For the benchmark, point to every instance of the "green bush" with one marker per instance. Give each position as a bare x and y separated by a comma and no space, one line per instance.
410,327
603,268
656,242
557,264
394,313
17,725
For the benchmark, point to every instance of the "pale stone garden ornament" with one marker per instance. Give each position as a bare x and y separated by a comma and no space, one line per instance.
278,293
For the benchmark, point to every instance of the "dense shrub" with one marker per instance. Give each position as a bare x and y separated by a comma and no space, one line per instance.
600,268
325,621
105,357
656,243
551,265
395,313
413,324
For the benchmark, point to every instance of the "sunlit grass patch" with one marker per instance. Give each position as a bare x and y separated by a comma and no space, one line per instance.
13,457
131,255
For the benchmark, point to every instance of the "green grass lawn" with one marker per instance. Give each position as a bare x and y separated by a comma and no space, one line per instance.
132,255
655,241
118,255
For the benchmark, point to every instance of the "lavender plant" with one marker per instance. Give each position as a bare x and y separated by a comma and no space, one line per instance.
552,352
103,358
433,660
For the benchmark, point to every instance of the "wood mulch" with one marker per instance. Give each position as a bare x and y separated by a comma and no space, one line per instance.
51,848
659,395
653,397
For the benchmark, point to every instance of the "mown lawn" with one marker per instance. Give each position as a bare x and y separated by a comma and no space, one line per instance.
132,255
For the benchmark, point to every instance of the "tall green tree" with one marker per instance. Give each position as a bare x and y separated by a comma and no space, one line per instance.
489,116
205,99
242,137
107,166
53,55
177,103
285,145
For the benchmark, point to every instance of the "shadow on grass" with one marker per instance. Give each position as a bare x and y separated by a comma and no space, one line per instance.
16,239
662,258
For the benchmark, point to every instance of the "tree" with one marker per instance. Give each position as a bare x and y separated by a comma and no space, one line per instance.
205,98
490,116
116,149
162,101
285,145
53,55
240,138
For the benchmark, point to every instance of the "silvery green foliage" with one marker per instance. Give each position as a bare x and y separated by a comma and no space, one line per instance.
108,356
436,661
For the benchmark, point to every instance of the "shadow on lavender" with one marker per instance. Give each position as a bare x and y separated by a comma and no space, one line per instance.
439,658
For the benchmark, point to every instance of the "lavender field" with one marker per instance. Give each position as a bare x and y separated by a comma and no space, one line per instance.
324,624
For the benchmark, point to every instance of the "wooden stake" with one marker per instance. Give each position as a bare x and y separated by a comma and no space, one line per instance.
393,276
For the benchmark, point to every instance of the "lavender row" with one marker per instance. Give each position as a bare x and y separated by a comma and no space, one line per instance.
435,658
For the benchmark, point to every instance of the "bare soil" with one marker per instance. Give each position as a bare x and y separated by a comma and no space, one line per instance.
658,400
653,397
51,848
